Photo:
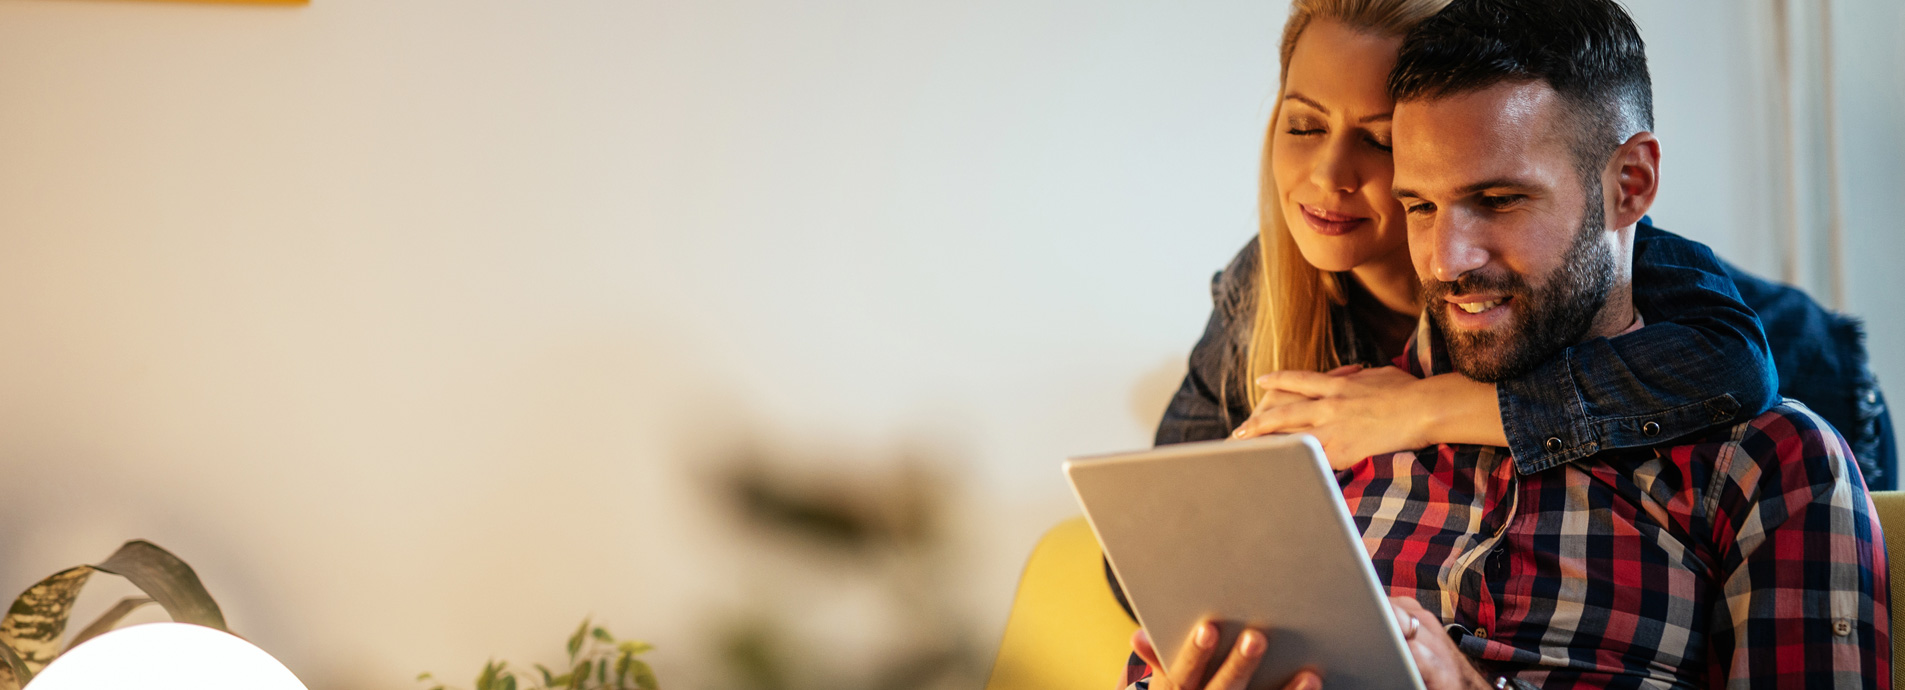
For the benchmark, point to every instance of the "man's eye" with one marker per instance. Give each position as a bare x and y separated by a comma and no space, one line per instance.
1419,209
1501,201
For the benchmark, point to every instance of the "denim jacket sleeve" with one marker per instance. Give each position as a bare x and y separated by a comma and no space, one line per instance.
1701,359
1211,401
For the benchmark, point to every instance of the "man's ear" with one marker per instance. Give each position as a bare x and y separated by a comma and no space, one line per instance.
1636,179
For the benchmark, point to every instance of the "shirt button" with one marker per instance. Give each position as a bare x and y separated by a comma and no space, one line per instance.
1841,627
1481,633
1553,445
1650,428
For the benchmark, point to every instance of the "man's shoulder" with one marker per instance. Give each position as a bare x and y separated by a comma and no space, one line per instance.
1788,422
1787,445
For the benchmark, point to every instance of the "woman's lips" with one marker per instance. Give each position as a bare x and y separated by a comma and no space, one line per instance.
1326,222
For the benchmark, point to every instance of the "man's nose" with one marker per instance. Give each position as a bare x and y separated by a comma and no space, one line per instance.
1454,247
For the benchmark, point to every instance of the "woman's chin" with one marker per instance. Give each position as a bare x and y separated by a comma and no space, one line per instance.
1331,259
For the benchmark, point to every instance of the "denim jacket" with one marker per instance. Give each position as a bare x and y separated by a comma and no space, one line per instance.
1703,359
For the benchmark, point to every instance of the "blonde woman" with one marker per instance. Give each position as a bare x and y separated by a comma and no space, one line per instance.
1309,313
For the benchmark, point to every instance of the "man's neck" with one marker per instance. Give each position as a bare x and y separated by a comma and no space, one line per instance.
1617,315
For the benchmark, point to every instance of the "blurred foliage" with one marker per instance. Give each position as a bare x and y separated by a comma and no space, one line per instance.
885,526
597,661
30,633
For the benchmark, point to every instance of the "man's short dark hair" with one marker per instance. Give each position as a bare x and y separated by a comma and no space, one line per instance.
1588,51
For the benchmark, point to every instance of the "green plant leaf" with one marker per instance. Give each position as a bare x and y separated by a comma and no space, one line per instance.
548,679
644,675
635,647
168,580
602,673
108,620
509,682
602,635
33,625
579,675
575,641
13,673
487,679
560,681
424,676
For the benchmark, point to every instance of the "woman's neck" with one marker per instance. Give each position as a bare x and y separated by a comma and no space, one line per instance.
1392,281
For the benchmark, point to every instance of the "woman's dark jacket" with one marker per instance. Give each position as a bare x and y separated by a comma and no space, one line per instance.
1702,359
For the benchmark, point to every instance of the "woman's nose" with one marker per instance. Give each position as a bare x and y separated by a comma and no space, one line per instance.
1335,168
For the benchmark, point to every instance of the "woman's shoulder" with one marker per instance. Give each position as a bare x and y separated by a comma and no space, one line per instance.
1233,288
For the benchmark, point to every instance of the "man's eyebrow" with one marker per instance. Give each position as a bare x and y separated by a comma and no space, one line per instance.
1497,183
1378,117
1472,188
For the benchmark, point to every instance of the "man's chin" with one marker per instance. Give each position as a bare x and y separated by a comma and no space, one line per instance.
1486,356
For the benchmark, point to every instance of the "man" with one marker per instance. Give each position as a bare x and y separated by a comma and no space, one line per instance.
1745,555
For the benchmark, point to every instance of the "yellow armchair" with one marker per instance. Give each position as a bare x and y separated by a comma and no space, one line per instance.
1066,632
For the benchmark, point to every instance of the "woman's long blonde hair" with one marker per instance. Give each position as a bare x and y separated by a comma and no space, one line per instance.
1293,298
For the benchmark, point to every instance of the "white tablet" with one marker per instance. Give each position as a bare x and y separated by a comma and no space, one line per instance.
1246,533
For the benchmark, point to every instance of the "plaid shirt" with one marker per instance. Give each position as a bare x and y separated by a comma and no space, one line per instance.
1744,556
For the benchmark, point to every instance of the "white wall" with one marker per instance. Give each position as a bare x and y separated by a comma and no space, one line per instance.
413,323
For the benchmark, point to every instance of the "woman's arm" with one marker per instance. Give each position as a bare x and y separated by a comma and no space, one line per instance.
1701,359
1212,400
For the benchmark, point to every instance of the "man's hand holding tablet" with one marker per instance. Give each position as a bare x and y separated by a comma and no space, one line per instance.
1441,665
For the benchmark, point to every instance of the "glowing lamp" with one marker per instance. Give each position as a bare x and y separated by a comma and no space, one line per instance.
165,656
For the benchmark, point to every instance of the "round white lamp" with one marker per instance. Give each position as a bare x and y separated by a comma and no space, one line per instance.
165,656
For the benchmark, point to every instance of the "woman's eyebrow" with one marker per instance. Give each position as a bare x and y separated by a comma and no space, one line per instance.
1306,100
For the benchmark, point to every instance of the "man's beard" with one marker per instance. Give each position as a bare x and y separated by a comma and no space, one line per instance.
1547,319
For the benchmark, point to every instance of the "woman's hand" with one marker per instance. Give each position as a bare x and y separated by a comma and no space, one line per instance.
1198,649
1355,413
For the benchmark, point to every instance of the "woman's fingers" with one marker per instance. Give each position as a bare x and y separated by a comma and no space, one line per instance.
1305,383
1291,417
1242,662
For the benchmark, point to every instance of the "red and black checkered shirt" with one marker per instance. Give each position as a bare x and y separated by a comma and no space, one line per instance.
1746,556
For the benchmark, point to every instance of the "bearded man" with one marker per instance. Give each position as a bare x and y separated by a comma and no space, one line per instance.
1746,555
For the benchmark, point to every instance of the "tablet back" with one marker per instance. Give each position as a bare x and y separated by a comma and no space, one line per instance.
1246,533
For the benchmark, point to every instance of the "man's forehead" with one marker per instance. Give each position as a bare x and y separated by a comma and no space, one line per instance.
1505,131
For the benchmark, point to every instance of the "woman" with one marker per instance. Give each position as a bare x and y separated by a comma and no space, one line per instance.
1329,284
1328,288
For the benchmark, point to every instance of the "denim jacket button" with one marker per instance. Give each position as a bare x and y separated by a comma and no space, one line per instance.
1553,445
1650,428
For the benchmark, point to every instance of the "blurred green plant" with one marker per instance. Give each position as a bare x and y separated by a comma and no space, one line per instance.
30,633
886,526
597,661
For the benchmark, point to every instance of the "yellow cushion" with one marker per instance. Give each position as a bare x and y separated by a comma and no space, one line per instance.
1066,632
1891,508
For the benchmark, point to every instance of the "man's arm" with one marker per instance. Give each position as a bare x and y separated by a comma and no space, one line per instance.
1803,579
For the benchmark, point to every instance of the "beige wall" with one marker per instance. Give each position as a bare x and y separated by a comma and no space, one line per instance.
415,324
